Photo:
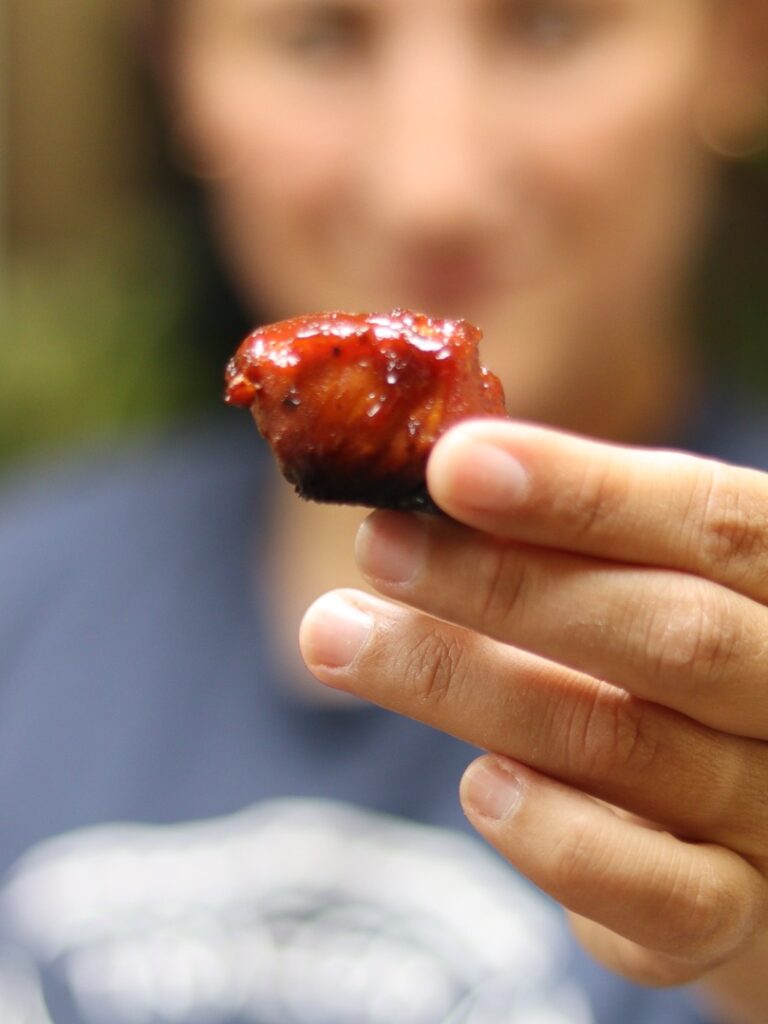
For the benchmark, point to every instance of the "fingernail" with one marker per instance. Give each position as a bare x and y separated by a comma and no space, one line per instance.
491,479
491,789
334,631
391,546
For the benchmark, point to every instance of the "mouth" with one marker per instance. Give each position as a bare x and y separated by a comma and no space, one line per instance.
451,286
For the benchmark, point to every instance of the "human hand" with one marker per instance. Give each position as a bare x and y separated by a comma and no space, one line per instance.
596,618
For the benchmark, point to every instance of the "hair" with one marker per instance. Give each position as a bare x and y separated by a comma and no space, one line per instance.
215,319
732,297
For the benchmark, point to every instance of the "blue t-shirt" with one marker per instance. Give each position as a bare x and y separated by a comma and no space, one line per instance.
183,839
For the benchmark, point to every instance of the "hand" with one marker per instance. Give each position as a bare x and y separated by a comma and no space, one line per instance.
596,618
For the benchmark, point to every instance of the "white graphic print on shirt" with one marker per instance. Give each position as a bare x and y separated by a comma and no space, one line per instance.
291,912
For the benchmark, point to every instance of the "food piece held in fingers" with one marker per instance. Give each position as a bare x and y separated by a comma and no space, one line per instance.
352,404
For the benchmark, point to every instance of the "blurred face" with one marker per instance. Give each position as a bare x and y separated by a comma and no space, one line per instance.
532,165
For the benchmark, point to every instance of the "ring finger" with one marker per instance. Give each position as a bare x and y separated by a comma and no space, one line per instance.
693,780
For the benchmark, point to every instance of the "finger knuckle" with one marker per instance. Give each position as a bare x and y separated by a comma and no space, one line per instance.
504,588
733,527
702,917
593,503
692,635
435,662
613,735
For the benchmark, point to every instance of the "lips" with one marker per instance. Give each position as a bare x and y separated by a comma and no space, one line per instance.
448,288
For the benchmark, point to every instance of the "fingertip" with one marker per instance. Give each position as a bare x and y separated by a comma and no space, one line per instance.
491,789
390,547
333,631
472,470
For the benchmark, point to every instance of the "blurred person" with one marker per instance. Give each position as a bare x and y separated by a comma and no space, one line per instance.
193,829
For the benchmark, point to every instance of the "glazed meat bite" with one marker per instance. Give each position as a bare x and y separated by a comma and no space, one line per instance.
352,404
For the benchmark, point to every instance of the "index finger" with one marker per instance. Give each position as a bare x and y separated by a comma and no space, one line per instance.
662,508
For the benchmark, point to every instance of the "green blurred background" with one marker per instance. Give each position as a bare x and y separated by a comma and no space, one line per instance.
113,314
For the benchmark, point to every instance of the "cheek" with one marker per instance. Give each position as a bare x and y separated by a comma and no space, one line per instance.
274,139
287,159
283,149
620,171
295,165
280,215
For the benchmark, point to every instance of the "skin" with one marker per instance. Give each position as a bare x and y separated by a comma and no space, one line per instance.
543,139
610,651
596,617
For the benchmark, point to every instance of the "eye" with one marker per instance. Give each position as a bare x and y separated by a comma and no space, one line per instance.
549,27
543,24
324,33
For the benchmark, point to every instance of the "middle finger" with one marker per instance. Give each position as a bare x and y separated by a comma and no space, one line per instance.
679,640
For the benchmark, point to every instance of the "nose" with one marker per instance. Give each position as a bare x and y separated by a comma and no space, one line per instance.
432,169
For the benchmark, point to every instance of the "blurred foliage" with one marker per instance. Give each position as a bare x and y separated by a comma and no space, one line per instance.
109,336
732,302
